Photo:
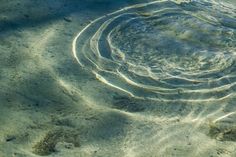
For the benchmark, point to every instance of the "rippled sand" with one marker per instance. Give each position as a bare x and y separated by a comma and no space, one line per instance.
120,78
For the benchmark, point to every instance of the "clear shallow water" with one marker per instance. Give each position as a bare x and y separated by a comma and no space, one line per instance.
164,51
150,80
177,64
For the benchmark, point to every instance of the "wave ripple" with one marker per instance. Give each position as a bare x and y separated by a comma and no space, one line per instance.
164,51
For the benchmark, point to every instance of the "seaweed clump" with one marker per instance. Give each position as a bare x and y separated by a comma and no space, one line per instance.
47,145
222,132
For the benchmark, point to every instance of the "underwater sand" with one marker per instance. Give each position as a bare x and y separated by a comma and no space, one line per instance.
104,78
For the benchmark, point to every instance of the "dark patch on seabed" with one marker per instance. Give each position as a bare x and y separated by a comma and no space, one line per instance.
223,134
47,145
128,104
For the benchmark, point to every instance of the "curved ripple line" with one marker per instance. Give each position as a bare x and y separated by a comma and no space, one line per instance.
112,47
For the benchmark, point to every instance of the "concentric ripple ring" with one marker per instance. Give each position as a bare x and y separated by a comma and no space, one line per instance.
163,50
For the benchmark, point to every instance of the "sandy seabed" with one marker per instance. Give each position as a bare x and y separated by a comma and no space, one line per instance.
51,106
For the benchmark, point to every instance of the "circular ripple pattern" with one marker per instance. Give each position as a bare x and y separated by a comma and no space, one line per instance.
164,50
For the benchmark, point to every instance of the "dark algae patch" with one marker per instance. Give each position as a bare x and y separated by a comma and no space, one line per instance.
222,133
47,145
